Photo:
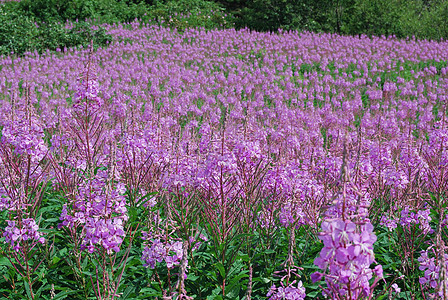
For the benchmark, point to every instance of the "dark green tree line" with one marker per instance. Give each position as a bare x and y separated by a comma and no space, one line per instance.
419,18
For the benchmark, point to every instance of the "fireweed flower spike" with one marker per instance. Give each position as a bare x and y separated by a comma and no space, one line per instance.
27,232
289,292
99,205
22,158
429,265
23,176
101,213
346,258
157,252
86,98
95,214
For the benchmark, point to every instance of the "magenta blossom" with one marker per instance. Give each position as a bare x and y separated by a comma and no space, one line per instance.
289,292
346,258
27,232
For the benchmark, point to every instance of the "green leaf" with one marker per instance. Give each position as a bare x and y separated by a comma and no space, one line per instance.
85,262
215,297
235,282
244,257
268,251
312,294
221,269
63,295
39,291
133,214
192,277
27,289
5,262
55,260
52,220
126,292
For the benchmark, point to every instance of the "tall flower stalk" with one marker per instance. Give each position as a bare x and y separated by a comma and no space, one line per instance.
95,213
23,179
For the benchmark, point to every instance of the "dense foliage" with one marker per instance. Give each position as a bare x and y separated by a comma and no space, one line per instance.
41,25
225,164
182,14
21,33
402,18
420,18
100,11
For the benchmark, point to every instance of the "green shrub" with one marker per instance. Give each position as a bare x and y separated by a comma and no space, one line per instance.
422,19
269,15
434,21
182,14
55,36
19,34
402,18
375,17
102,11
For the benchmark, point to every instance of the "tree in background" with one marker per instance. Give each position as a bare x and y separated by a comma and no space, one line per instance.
419,18
269,15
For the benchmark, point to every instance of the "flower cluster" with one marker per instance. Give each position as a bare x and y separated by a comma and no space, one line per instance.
346,258
289,292
4,199
100,210
291,214
108,233
87,93
266,219
27,231
389,223
25,136
409,218
420,218
444,221
158,251
269,122
431,269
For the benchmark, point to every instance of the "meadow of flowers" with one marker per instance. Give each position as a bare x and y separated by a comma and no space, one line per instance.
225,164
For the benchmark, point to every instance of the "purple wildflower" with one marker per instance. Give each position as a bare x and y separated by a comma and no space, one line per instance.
28,231
346,258
289,292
